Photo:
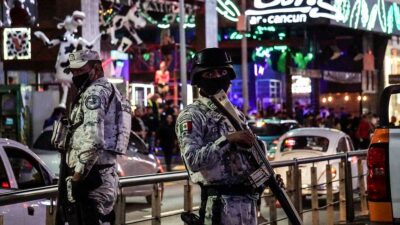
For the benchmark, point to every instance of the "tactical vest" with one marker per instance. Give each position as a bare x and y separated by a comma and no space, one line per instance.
122,109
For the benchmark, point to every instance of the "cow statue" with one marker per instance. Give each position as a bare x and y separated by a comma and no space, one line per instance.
127,23
68,43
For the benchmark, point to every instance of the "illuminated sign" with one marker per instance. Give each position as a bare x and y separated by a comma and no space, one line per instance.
373,15
228,9
152,9
291,11
301,85
117,55
17,43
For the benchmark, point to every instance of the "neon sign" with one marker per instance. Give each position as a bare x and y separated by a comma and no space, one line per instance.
291,11
228,9
374,15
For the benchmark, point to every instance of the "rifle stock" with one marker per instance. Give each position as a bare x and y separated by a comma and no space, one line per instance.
222,102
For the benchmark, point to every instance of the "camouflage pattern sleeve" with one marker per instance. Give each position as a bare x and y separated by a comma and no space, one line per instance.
94,102
198,154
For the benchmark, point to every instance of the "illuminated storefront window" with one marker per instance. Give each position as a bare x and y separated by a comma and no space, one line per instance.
392,66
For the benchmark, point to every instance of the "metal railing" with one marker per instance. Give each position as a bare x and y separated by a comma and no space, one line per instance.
294,189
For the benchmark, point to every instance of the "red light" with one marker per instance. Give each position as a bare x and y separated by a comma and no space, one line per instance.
5,184
376,180
290,143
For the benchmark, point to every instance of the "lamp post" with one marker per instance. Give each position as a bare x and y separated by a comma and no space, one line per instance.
182,44
245,89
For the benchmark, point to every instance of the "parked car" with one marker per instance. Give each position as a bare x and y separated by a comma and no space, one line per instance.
314,142
20,168
137,161
269,131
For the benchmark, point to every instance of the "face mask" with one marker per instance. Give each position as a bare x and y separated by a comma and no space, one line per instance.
80,80
212,86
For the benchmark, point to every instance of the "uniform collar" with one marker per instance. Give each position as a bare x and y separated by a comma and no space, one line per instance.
207,102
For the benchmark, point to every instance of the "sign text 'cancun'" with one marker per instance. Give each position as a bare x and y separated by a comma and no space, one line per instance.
291,11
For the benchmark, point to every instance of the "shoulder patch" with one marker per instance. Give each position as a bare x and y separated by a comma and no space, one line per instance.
93,102
185,127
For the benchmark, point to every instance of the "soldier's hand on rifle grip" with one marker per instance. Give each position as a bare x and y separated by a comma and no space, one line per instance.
243,138
279,179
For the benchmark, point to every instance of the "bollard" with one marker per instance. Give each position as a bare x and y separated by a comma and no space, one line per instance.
156,206
289,185
50,215
300,194
329,196
272,209
188,198
119,208
361,184
349,192
1,220
295,186
342,192
314,196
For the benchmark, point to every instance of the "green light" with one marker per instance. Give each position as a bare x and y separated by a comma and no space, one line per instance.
281,36
235,36
280,47
360,14
146,56
228,9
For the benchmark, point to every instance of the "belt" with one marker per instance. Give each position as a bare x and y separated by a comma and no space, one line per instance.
216,190
96,167
102,167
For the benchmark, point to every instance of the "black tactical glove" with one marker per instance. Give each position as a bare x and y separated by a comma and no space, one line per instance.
243,139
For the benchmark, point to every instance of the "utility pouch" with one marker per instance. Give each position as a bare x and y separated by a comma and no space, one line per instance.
259,177
60,133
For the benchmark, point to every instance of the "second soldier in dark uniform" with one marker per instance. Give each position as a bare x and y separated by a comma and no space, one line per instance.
215,154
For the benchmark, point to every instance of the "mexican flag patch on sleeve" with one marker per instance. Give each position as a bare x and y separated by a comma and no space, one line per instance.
186,126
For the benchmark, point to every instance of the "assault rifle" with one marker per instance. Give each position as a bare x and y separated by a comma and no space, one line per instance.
265,174
65,210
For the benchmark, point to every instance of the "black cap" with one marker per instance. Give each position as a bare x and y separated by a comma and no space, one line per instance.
208,59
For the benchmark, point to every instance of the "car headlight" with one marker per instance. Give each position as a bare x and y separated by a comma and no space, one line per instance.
271,156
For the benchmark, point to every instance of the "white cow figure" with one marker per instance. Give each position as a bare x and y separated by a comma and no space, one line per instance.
68,43
131,21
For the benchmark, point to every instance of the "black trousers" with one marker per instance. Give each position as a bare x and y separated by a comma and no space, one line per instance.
85,210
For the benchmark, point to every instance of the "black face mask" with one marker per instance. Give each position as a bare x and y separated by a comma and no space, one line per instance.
212,86
80,80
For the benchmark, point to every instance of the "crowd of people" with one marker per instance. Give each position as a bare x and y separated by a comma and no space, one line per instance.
155,124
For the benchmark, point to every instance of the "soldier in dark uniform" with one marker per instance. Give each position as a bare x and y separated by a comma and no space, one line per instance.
92,154
213,151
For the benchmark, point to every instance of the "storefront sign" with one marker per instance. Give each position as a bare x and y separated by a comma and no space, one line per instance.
17,43
305,72
372,15
168,11
342,77
301,85
291,11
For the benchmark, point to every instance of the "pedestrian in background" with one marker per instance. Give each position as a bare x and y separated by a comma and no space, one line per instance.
137,124
363,132
393,121
166,139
